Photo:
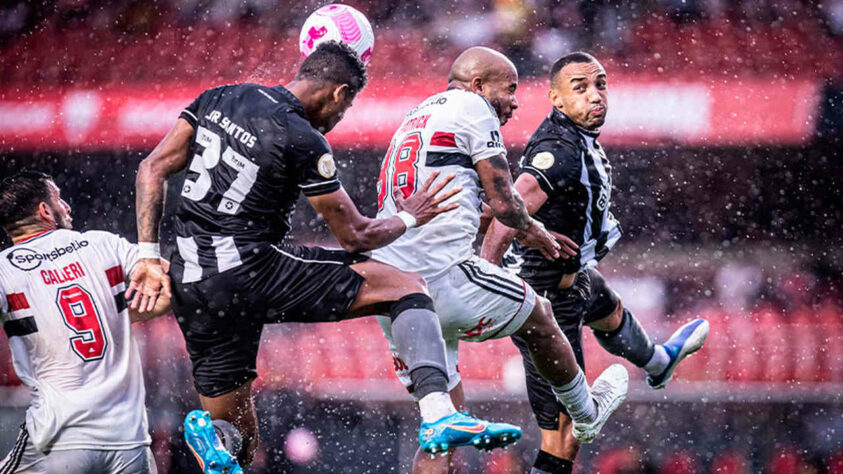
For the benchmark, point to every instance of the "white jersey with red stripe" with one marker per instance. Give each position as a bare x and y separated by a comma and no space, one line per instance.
61,295
448,132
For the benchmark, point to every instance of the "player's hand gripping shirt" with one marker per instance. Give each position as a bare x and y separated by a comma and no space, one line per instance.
61,296
253,153
572,169
449,132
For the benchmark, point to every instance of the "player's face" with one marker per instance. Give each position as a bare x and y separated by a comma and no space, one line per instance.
60,210
500,90
581,92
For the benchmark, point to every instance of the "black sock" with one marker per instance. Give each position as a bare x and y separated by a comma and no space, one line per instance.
547,463
427,380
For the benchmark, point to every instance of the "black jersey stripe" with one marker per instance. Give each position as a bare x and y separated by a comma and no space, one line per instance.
436,159
120,302
20,327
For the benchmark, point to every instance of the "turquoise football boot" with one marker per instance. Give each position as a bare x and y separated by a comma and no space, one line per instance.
461,429
203,442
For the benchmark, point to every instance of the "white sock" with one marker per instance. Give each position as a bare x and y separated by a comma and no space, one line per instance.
577,400
658,362
435,406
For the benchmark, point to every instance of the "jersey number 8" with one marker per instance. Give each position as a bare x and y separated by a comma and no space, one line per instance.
245,173
403,165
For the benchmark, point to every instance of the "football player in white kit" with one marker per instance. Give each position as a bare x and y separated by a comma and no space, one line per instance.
63,309
458,132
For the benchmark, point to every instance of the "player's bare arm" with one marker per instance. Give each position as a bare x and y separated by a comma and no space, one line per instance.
358,233
499,237
168,158
509,209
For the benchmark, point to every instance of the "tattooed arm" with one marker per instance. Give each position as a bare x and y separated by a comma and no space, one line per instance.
505,202
168,158
509,209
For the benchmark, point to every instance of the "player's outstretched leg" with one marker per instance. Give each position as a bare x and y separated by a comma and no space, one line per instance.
621,334
417,336
685,341
554,360
202,440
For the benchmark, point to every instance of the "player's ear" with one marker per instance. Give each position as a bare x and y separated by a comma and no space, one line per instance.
477,85
45,212
555,98
341,93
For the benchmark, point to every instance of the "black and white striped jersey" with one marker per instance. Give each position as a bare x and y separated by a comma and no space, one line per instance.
253,152
572,169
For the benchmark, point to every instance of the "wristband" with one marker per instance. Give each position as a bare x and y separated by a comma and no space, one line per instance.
407,218
149,250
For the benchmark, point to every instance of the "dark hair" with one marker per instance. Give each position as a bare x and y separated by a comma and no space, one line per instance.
334,62
575,57
20,195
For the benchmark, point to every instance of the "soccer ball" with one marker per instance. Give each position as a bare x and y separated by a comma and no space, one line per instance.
338,22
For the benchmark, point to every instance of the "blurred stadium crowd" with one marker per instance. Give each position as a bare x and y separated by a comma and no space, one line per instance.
84,42
746,236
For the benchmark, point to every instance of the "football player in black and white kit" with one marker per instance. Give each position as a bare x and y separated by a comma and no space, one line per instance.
250,151
566,183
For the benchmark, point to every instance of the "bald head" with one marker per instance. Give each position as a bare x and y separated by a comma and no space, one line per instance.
480,62
488,73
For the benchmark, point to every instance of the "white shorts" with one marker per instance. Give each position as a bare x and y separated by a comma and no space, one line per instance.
25,458
475,301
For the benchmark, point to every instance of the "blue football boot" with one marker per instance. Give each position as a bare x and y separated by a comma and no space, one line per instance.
203,442
684,342
461,429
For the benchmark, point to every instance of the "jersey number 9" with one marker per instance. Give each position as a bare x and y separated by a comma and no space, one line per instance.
81,316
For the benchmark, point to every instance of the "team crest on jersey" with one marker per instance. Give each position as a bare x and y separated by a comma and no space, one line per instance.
326,166
543,160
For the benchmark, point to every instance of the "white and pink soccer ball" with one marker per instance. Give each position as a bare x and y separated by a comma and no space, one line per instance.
338,22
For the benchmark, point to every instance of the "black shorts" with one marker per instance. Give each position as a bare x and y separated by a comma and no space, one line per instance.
588,300
223,315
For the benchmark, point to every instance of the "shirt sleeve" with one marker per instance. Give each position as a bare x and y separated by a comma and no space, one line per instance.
313,160
191,112
127,254
479,133
553,163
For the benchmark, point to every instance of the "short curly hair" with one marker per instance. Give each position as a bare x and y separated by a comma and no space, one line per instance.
20,195
335,62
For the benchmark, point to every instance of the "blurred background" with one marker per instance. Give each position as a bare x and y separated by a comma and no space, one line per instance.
724,130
